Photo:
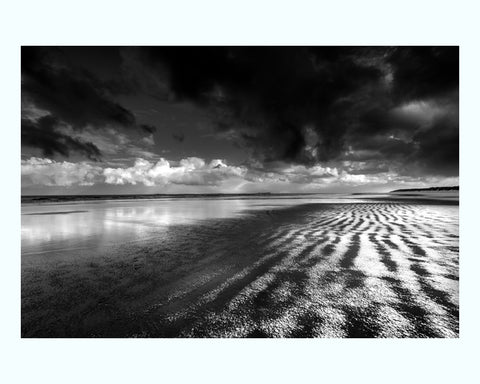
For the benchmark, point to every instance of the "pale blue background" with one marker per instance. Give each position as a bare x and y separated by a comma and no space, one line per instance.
245,22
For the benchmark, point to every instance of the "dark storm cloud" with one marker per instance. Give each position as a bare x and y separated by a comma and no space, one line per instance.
148,128
308,105
180,137
424,72
437,149
271,95
70,96
73,96
45,133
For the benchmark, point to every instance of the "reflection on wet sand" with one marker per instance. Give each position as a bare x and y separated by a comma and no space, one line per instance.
45,226
387,269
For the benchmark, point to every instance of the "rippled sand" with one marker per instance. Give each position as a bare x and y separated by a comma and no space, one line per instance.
387,269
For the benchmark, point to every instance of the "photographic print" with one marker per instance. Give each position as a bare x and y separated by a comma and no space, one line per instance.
240,191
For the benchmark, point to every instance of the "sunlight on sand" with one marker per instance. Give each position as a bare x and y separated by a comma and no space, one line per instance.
240,269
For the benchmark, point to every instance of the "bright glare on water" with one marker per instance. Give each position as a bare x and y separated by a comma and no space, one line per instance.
48,227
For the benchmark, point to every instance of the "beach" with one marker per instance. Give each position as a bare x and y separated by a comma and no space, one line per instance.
332,268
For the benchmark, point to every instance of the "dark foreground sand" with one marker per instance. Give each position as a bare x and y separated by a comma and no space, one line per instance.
387,269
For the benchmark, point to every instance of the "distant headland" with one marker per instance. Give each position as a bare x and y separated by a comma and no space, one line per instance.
432,189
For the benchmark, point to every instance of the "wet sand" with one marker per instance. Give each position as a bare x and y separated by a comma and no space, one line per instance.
380,269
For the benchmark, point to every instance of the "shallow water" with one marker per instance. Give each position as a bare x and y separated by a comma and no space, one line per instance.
240,268
50,227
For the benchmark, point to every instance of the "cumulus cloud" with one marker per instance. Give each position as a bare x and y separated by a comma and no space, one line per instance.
300,174
194,171
353,179
52,173
189,171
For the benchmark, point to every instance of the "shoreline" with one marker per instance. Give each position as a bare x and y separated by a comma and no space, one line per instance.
42,200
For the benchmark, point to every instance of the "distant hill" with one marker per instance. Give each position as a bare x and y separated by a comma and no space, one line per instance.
455,188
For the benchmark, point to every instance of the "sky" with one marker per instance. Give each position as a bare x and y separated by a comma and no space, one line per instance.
118,120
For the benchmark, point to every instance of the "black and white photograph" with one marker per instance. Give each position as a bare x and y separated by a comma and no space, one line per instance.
240,191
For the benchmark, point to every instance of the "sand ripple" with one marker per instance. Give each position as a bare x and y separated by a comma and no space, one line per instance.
338,270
